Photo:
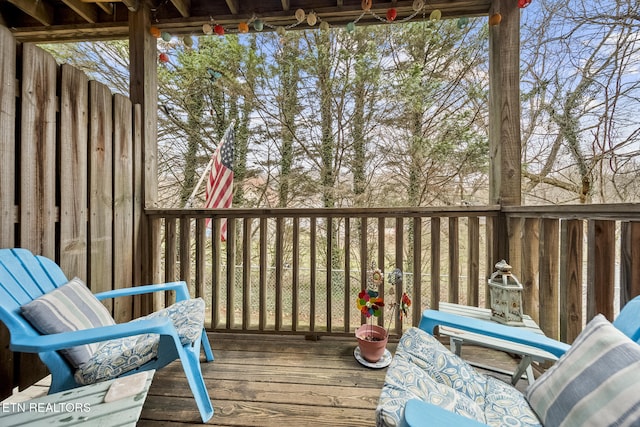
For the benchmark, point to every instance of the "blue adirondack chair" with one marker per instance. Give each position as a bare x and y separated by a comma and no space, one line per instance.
418,413
25,277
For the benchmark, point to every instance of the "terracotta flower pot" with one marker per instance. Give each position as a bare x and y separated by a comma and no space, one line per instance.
372,340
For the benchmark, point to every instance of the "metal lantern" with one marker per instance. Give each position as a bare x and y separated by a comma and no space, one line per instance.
506,296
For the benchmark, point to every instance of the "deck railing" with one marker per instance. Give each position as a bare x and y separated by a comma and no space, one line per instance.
299,270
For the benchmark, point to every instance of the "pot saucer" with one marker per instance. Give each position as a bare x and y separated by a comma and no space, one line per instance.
384,361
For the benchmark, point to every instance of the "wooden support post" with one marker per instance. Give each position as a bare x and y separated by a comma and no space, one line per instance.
504,119
144,91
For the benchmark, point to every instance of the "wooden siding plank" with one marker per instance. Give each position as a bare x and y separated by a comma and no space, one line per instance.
38,105
7,141
571,242
7,183
435,263
629,262
531,268
601,268
101,189
123,204
454,260
549,293
473,266
74,115
38,152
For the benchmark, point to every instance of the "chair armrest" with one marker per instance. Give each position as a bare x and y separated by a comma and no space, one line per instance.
52,342
418,413
182,292
432,318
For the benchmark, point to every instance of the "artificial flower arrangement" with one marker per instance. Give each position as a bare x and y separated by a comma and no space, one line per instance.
370,303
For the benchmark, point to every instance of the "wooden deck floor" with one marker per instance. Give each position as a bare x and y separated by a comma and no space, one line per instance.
265,380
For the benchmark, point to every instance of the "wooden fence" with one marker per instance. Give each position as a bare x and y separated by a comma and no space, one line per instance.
299,270
68,181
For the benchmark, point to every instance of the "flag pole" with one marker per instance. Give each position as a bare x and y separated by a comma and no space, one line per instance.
195,190
206,170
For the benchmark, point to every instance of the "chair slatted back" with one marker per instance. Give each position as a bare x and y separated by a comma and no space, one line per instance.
24,277
628,321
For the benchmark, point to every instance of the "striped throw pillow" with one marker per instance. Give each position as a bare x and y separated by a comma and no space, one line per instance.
70,307
596,383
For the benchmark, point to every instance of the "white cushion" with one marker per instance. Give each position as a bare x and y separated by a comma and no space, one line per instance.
596,383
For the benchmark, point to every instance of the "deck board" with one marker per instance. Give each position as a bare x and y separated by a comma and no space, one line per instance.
269,380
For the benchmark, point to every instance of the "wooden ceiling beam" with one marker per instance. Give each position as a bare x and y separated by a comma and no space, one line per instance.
41,10
87,11
105,5
183,6
132,5
233,6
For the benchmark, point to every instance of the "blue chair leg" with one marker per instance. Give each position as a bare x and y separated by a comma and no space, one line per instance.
206,346
191,365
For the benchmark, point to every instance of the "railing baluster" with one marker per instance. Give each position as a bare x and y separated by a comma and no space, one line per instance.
295,264
313,262
216,273
262,312
380,256
531,268
231,272
200,257
246,273
329,275
278,267
454,261
171,258
473,262
347,274
416,268
435,263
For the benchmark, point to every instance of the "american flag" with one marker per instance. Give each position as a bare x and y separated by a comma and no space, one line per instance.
220,184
